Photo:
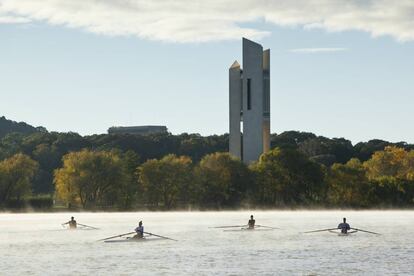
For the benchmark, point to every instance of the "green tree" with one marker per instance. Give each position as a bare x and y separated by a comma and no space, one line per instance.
10,145
16,175
90,178
290,139
348,185
8,126
48,160
167,181
340,148
364,150
128,190
223,181
286,176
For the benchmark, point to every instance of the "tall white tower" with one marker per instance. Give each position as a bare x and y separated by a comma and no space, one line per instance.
249,100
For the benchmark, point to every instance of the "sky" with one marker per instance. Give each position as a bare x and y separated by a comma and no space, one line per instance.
339,68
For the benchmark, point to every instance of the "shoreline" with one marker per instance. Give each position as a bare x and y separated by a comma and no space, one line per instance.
287,209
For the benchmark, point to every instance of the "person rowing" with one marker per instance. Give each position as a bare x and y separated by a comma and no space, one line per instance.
140,231
251,222
344,227
72,223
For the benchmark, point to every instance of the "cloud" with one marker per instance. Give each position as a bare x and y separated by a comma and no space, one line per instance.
212,20
13,19
317,50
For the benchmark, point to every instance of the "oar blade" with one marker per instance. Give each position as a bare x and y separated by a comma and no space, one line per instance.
229,226
320,230
84,225
117,236
264,226
362,230
152,234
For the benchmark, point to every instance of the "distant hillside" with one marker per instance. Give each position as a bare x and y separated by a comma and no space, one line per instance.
8,126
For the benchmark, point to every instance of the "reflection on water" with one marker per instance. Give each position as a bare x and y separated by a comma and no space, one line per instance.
36,244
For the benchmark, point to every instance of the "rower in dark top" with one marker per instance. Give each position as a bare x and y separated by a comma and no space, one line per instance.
72,223
344,227
251,222
140,231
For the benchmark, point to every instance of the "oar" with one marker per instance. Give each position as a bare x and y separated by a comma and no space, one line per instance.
321,230
231,226
366,231
159,236
87,226
117,236
270,227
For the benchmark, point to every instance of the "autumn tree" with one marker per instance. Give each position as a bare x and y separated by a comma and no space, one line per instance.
166,182
90,178
391,171
16,175
386,163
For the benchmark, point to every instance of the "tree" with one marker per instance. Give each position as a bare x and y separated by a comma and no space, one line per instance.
128,189
167,181
222,180
10,145
48,160
289,139
348,185
16,175
386,163
364,150
340,148
391,172
90,178
324,159
8,126
286,176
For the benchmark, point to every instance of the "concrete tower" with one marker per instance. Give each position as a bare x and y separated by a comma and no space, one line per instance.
249,96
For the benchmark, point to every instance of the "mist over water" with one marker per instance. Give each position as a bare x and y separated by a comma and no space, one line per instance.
36,244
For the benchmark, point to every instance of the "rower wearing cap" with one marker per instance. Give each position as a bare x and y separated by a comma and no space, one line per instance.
251,222
344,227
140,231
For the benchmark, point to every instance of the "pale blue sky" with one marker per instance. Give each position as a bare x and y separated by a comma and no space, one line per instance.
338,84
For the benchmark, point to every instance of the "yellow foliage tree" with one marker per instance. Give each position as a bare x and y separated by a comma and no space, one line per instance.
387,163
16,175
89,177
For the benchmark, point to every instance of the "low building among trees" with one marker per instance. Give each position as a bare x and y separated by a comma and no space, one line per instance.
138,130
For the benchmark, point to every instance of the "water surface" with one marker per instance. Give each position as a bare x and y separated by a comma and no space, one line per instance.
36,244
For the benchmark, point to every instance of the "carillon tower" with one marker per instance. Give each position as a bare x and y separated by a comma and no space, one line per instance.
249,97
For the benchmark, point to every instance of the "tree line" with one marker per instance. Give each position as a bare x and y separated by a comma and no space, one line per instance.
94,179
322,158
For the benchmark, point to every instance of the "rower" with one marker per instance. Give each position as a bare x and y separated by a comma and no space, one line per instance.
251,222
344,227
72,223
140,231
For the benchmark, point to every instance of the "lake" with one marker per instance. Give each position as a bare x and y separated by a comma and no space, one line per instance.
36,244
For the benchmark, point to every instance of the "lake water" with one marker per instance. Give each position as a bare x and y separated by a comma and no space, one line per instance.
36,244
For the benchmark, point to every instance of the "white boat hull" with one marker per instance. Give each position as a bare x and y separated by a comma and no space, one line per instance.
247,229
132,240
